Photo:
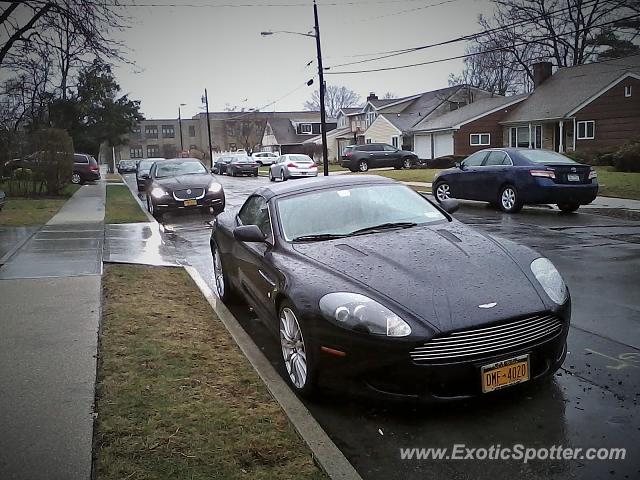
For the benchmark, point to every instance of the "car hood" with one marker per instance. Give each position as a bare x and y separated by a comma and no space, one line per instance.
185,181
447,275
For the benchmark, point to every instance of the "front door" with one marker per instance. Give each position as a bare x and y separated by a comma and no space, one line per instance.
467,183
491,176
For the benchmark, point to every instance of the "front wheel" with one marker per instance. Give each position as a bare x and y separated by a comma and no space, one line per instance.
568,207
509,200
152,210
76,179
406,163
442,192
363,165
297,352
224,289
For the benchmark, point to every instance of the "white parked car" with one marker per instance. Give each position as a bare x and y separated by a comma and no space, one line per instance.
264,158
293,165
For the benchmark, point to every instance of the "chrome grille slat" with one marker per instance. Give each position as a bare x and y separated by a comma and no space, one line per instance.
522,332
196,194
475,342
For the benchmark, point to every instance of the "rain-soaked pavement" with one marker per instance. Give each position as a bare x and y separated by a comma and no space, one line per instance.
592,402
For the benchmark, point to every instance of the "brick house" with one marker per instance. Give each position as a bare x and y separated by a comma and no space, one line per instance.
465,130
599,102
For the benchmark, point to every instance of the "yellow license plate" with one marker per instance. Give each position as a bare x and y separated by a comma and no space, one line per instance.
190,203
505,373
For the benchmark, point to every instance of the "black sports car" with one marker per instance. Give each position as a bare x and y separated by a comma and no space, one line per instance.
183,183
363,278
513,177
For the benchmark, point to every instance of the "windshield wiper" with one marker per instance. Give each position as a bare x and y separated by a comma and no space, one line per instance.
319,237
383,226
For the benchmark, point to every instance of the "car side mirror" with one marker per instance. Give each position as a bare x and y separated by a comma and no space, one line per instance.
450,205
248,233
459,165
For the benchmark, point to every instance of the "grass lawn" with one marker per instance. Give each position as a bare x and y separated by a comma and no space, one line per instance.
25,211
122,207
410,175
176,398
618,184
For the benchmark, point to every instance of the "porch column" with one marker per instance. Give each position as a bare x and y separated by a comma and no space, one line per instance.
574,134
561,142
530,145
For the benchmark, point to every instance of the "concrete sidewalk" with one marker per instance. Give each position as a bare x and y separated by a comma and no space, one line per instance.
50,292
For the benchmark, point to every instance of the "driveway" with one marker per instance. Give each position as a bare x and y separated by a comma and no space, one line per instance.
591,402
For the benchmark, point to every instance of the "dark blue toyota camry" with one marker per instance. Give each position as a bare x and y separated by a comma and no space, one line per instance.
513,177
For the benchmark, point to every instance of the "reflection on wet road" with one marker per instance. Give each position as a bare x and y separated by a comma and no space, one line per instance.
591,402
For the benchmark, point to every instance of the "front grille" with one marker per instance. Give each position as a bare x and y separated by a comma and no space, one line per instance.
185,195
479,342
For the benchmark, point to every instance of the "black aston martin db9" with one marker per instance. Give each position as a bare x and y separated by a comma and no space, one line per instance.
365,279
183,183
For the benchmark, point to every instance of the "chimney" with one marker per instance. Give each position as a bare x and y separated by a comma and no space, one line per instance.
372,96
541,71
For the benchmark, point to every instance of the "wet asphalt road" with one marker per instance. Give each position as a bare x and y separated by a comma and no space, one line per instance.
591,402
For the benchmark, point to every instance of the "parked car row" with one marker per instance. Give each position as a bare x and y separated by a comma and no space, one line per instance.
235,165
412,324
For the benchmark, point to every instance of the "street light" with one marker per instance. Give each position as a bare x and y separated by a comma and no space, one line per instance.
323,120
180,123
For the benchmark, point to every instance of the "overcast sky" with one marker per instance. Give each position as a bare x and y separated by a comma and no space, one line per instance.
181,50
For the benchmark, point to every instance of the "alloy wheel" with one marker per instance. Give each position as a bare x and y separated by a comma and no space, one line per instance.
75,179
508,198
150,206
406,163
443,192
282,177
293,348
363,166
218,274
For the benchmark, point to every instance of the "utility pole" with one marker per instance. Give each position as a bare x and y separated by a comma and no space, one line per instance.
323,119
180,123
206,102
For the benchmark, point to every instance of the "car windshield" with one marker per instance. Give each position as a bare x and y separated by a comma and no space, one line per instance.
179,168
300,159
355,209
145,165
545,156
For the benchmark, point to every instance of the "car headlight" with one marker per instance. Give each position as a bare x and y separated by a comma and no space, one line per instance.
215,187
550,279
158,192
360,313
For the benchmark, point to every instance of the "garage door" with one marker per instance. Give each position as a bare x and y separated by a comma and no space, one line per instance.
443,144
422,146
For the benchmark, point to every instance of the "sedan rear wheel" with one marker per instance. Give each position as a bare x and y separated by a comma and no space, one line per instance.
363,165
271,177
509,201
568,207
297,353
442,191
283,177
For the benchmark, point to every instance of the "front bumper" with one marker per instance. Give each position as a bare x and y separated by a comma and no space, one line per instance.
168,203
382,368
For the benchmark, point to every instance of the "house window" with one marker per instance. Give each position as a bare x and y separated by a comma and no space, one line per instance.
136,152
627,90
586,130
394,141
168,131
153,151
136,129
476,139
306,128
519,137
368,140
371,117
192,130
151,131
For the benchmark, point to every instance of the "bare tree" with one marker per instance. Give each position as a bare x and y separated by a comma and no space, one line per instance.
521,32
389,96
335,98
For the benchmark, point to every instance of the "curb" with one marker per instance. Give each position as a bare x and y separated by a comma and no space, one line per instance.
143,207
327,455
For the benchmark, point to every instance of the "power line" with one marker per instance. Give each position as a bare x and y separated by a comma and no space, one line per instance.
458,39
256,5
497,49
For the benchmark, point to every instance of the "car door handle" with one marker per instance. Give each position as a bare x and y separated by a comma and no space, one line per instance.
266,277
